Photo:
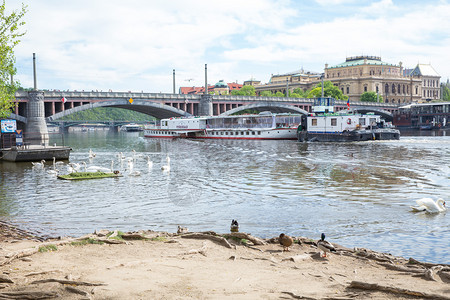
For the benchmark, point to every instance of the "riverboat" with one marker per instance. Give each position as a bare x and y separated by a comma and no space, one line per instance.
324,125
262,126
423,116
131,127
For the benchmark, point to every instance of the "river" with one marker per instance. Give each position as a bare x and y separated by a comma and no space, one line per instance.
358,194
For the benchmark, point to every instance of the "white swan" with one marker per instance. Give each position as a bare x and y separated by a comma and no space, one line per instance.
149,162
38,164
131,172
428,205
166,167
91,154
54,171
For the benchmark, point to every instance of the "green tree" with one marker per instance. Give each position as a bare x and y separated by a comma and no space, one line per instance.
298,93
266,94
9,38
246,90
279,94
371,97
445,92
329,90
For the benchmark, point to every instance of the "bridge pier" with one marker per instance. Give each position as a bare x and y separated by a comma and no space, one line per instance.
205,107
36,131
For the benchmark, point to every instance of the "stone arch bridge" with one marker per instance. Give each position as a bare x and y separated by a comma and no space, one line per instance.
58,104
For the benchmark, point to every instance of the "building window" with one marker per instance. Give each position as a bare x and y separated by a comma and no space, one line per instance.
348,90
377,89
393,88
365,88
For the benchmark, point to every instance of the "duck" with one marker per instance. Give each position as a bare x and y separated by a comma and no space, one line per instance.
429,205
182,230
286,241
234,226
325,246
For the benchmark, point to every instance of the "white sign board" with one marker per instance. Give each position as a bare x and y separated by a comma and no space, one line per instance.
8,126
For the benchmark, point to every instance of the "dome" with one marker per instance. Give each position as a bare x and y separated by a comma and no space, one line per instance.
221,84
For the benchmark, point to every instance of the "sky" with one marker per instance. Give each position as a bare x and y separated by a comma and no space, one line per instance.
135,45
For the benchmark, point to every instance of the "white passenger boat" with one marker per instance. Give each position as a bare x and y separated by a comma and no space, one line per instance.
131,127
263,126
324,125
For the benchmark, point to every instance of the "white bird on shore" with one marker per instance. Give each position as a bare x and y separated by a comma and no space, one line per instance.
325,246
428,205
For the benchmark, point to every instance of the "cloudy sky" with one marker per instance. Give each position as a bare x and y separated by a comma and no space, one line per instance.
134,45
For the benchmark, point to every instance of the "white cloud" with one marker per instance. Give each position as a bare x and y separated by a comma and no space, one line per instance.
135,45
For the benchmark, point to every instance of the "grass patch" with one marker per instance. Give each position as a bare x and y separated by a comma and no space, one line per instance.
236,239
159,239
117,237
46,248
86,175
87,241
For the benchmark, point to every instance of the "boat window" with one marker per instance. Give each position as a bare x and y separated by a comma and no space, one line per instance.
333,122
314,122
253,133
362,121
247,133
242,133
259,132
226,133
221,133
373,121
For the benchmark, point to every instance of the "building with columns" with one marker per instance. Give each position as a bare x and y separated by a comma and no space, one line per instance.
361,74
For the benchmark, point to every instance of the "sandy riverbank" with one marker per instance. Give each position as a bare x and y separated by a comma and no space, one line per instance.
206,266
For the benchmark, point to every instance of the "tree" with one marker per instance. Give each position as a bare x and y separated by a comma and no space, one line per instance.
266,94
246,90
371,97
445,92
298,93
329,90
9,38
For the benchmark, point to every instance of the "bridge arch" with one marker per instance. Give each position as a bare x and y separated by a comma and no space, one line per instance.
381,112
267,106
157,110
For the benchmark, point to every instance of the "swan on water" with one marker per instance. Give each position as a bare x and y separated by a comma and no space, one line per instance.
429,205
91,154
149,162
166,167
54,171
38,164
132,172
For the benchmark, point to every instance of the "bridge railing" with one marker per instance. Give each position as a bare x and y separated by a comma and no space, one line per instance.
85,95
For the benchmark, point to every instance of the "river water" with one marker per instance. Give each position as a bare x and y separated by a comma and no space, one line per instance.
358,194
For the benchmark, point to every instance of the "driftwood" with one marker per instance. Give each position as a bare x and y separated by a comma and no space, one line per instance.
402,268
243,235
40,273
395,290
77,291
5,279
29,295
428,265
217,239
64,281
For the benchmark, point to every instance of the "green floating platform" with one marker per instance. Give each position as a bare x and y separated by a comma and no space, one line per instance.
88,175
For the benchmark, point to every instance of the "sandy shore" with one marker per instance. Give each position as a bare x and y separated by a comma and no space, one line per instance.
159,265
